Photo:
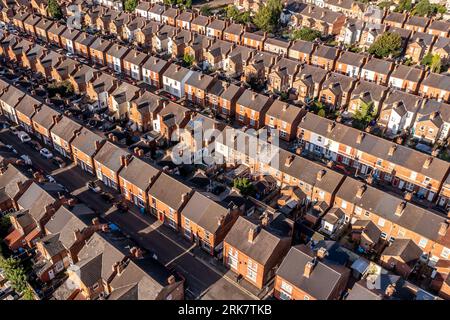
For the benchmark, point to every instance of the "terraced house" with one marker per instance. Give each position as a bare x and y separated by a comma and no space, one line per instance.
167,198
134,184
395,218
399,166
108,161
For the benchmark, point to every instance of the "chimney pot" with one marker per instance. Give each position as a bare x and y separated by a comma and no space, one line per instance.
443,229
252,232
360,191
322,253
400,208
171,279
309,266
427,162
320,174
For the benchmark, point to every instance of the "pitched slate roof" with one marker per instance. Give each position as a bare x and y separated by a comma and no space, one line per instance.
110,155
134,173
263,247
378,65
322,281
336,81
65,128
284,111
430,106
85,141
406,249
100,44
117,51
419,220
169,191
70,34
35,199
9,180
11,96
136,57
326,52
369,91
435,80
302,46
400,99
352,58
200,81
44,116
307,171
234,28
176,72
378,147
253,100
204,212
407,73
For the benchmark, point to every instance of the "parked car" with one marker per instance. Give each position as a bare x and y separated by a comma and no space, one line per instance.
51,179
46,153
57,161
27,159
35,145
23,136
108,197
14,130
93,186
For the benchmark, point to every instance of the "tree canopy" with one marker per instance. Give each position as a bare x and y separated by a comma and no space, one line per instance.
404,5
426,9
306,34
206,10
15,273
388,44
244,186
130,5
267,17
54,9
188,59
238,16
364,115
433,61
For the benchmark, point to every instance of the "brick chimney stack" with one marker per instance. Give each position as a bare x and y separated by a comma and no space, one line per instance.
309,266
252,232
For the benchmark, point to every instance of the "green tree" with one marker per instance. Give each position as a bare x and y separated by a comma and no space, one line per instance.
306,34
321,113
364,115
232,12
54,10
423,8
426,60
240,17
432,61
5,224
244,186
404,5
426,9
388,44
436,63
206,10
384,4
130,5
15,273
188,59
267,17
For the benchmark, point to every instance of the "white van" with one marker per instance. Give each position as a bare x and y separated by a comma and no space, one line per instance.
23,136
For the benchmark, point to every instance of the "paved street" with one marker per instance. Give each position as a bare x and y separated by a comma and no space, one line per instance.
201,276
